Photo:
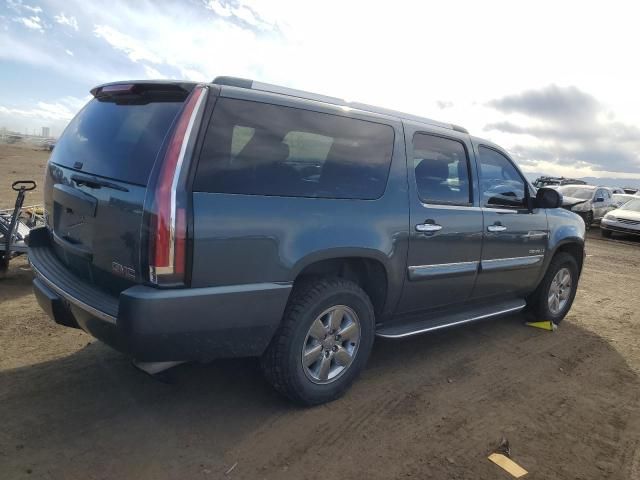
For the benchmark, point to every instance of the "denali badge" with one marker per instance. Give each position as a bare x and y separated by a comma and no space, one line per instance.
123,271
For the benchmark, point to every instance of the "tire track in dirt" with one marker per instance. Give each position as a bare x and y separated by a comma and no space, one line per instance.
484,382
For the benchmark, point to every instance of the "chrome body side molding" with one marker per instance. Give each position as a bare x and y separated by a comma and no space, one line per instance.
423,272
511,263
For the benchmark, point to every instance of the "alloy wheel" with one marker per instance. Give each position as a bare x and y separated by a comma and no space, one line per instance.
331,344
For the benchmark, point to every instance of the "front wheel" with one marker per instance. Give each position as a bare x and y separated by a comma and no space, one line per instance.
554,296
588,220
323,343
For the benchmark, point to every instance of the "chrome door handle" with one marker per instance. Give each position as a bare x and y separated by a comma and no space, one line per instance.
496,228
428,227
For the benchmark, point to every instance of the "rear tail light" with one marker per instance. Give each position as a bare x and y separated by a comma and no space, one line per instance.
168,221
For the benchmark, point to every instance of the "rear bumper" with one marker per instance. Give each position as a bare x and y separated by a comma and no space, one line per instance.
152,324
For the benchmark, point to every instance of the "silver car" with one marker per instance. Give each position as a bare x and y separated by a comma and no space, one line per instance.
590,202
625,219
620,199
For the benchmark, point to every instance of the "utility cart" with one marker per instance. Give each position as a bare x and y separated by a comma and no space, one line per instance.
16,223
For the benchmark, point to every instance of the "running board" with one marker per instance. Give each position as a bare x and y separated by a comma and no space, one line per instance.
451,320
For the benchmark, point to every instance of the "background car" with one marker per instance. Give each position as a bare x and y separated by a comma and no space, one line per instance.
590,202
620,199
556,181
625,219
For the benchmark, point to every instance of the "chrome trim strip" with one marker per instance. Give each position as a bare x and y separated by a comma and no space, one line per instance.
499,210
536,234
460,322
174,185
511,262
79,303
445,206
421,272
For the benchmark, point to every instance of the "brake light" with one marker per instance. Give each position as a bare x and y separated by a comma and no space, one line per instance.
168,223
119,88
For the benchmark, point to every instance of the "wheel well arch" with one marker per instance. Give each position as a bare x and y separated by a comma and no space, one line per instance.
573,248
369,273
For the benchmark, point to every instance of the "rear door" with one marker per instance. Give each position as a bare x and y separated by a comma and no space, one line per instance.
446,226
97,177
514,237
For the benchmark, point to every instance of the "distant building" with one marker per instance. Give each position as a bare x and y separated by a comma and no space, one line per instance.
45,132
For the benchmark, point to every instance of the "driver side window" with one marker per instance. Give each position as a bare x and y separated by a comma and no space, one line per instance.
500,183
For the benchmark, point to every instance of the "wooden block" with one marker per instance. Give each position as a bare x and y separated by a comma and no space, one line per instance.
507,464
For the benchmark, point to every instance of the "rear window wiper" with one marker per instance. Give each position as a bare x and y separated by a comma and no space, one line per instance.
93,182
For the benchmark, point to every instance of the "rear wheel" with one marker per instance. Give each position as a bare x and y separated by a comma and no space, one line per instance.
323,343
554,296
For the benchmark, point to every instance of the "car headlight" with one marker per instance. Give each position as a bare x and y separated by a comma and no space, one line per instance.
581,207
608,216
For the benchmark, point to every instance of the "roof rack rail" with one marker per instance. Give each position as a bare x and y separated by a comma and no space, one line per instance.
268,87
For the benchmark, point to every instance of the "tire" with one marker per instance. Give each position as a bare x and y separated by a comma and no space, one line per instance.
282,362
588,220
539,302
605,233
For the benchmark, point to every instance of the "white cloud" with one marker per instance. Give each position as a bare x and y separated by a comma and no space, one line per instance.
68,52
219,8
132,47
28,52
240,11
69,21
18,6
33,22
55,114
152,73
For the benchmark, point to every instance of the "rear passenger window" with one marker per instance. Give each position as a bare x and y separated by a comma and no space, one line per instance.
500,183
262,149
441,170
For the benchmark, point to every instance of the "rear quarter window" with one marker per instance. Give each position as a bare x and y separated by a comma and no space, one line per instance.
261,149
119,141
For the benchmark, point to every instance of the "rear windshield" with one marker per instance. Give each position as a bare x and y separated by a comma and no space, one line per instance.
119,141
577,192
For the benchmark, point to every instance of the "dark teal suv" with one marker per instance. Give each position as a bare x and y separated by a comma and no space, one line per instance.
187,222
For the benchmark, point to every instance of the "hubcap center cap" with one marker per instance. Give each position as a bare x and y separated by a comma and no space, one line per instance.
329,342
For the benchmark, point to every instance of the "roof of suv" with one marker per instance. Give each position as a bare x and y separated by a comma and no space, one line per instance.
242,83
267,87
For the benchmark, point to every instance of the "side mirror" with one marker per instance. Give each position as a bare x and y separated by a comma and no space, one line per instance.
599,199
548,198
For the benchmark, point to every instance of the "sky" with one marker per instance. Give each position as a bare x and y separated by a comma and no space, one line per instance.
553,82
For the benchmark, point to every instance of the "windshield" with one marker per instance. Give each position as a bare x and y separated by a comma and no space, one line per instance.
115,140
544,183
577,192
633,205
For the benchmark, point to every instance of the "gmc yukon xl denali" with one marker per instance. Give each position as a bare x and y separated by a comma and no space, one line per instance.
187,222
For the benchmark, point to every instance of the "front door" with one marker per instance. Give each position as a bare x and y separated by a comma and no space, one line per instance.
602,203
515,236
446,226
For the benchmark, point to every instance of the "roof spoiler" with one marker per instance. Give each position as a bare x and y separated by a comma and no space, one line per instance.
137,87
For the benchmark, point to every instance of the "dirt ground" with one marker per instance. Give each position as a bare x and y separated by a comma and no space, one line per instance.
20,162
428,407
